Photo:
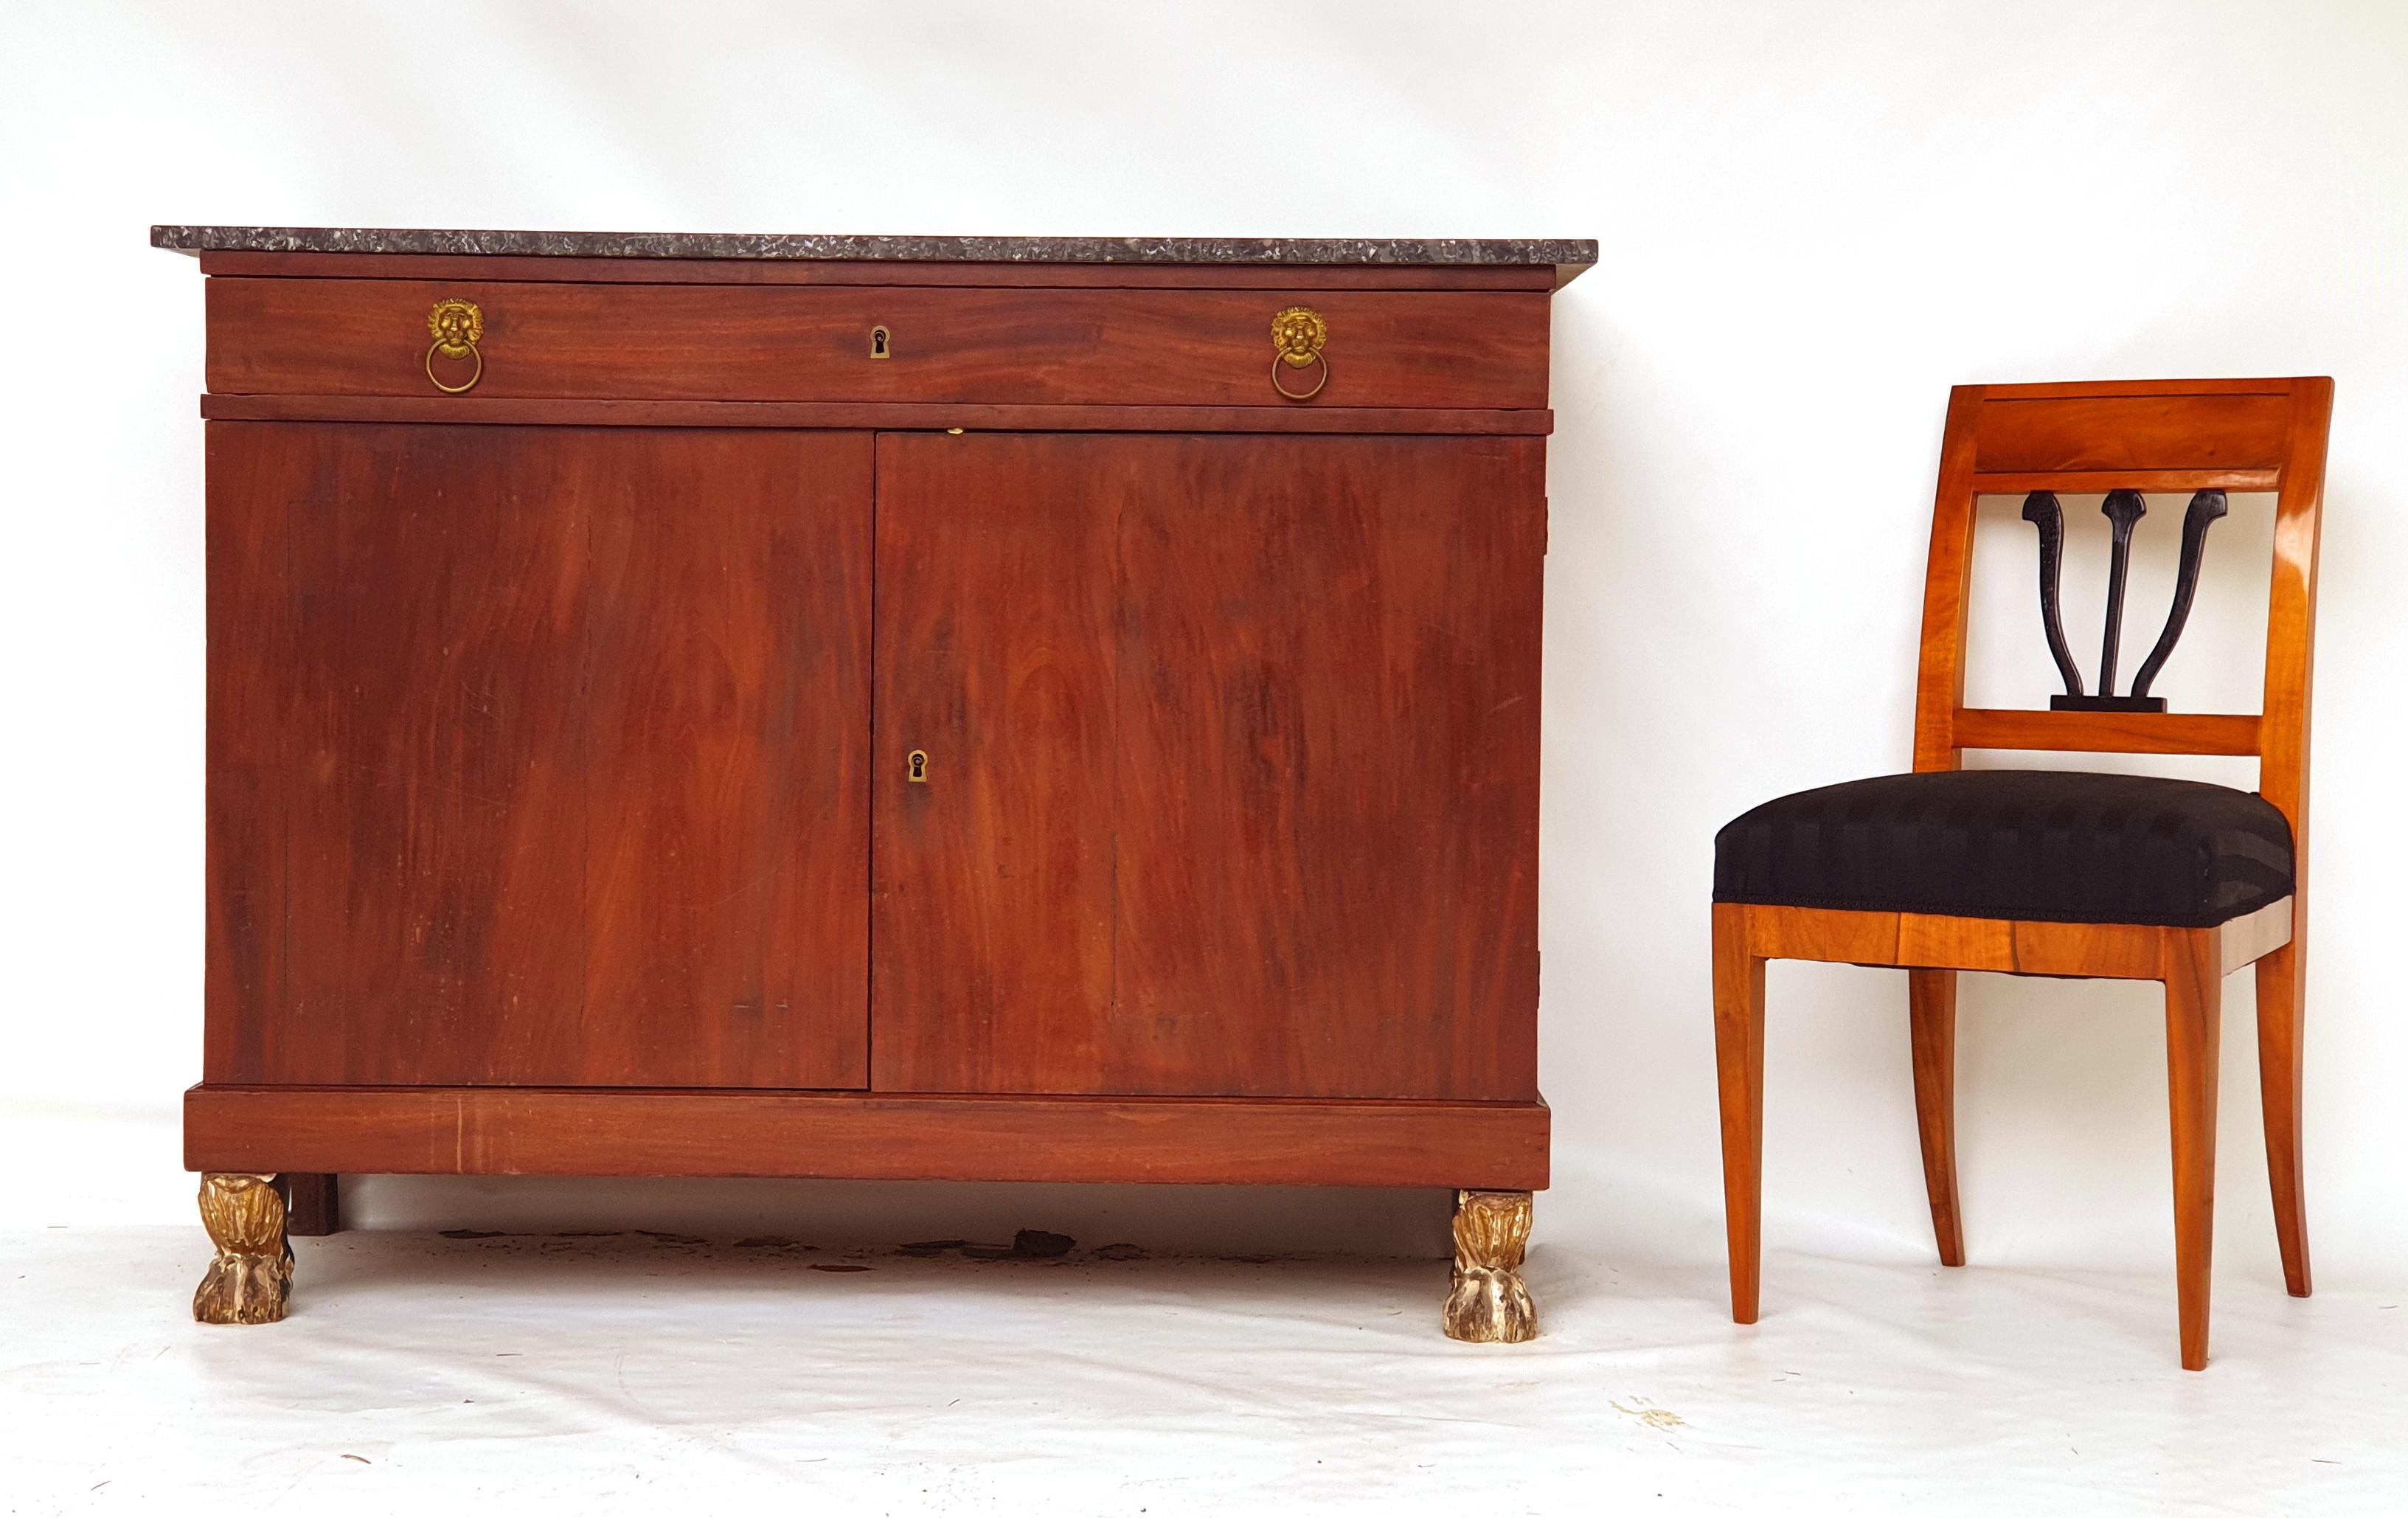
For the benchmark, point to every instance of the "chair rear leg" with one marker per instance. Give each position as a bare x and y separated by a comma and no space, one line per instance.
1932,1016
2194,1002
2281,1017
1739,1058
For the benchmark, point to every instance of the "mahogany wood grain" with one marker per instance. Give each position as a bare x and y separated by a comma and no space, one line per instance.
1739,1066
879,416
2194,1020
567,801
727,776
497,1130
770,271
1216,804
438,585
251,781
1327,810
1932,1024
993,879
1482,348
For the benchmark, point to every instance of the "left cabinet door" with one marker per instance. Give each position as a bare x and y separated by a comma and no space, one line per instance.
536,755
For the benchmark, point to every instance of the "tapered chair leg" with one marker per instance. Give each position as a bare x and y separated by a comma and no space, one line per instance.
1931,1019
1739,1059
2194,1000
2281,1016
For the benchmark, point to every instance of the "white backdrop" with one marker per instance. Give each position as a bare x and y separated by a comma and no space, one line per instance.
1814,220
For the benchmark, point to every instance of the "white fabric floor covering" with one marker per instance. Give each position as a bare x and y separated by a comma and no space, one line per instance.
581,1375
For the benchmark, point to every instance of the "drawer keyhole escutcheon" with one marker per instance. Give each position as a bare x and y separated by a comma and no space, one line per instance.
457,326
915,768
880,343
1298,334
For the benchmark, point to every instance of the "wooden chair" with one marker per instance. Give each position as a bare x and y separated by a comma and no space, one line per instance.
2054,873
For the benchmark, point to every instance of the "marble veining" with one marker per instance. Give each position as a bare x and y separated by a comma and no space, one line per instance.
1569,256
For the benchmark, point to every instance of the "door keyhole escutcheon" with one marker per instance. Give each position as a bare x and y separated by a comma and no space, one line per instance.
878,343
915,768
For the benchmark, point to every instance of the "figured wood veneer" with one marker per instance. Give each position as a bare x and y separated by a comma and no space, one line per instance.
2120,435
1475,349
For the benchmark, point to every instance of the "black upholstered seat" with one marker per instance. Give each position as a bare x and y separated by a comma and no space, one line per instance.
2033,845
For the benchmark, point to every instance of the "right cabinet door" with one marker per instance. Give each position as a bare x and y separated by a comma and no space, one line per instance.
1228,764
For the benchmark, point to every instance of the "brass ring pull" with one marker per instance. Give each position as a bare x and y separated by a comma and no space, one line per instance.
474,375
457,326
1299,334
1299,394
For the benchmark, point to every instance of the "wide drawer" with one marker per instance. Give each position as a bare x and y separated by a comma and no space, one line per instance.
302,336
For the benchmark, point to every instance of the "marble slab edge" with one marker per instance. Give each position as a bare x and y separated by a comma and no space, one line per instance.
1566,256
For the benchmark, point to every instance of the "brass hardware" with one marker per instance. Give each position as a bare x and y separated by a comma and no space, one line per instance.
251,1277
457,326
1299,334
878,341
952,432
915,767
1488,1304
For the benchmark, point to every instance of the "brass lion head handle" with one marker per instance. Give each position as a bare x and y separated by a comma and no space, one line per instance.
1298,334
457,326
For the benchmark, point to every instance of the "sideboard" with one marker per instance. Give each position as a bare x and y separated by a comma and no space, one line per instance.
914,708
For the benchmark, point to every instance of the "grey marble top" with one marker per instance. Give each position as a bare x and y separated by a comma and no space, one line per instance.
1568,256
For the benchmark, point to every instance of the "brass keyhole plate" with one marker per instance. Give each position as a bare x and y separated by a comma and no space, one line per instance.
915,768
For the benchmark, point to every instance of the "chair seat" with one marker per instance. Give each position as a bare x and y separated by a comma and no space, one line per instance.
2033,845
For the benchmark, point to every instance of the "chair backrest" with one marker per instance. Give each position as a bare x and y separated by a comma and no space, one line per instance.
2203,436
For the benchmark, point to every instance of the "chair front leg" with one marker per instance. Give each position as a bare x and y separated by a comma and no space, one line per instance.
1739,1058
1931,1019
2194,1002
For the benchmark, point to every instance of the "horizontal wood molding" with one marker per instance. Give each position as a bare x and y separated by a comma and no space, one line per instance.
878,416
766,271
557,339
2105,732
478,1130
1915,940
2099,481
2063,389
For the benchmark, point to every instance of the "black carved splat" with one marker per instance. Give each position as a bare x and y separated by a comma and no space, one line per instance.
2123,509
2042,510
2206,507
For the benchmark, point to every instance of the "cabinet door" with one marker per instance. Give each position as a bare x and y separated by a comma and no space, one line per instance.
537,755
1232,766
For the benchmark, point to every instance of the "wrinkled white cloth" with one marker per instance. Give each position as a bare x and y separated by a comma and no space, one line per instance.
581,1375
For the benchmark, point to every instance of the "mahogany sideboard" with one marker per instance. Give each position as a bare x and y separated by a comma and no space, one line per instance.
916,709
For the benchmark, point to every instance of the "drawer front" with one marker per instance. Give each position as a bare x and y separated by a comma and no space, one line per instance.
1481,349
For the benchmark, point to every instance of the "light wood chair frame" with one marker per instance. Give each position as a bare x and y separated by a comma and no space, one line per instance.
2181,436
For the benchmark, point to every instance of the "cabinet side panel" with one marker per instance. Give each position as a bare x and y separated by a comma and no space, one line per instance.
1329,752
992,915
727,716
251,479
